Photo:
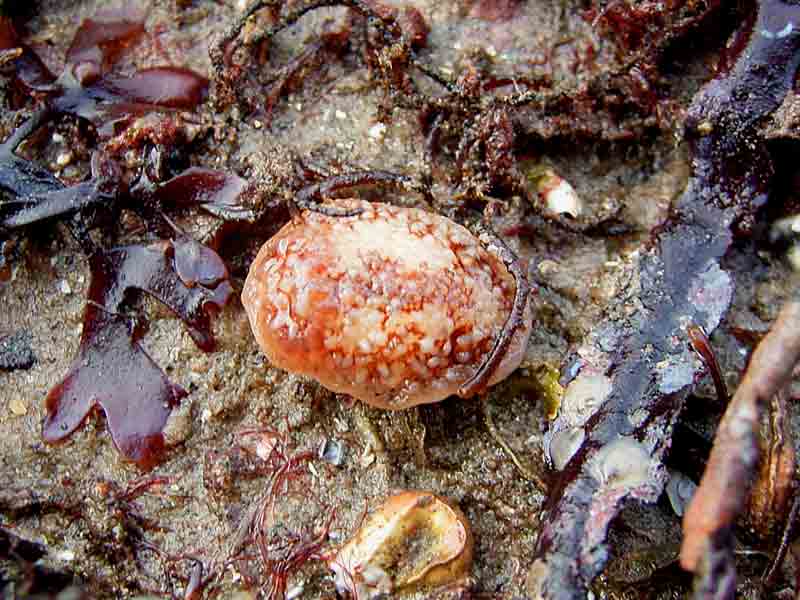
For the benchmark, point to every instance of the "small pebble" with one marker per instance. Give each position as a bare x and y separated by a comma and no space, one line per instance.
680,490
558,195
414,541
65,555
63,159
548,267
332,451
377,131
64,287
18,407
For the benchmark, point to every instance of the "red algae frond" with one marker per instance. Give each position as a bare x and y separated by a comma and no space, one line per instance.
394,306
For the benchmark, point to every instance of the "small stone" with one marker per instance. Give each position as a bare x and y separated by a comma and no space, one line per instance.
18,407
65,555
377,131
63,159
332,451
680,490
64,287
558,195
548,267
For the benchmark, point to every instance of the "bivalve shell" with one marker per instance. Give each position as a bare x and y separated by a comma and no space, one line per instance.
413,540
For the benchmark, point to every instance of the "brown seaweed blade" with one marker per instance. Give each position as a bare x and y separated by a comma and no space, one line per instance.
99,42
723,490
30,73
88,88
112,370
639,355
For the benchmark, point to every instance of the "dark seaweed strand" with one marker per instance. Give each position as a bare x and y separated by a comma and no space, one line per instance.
312,196
496,246
789,530
730,180
702,345
219,49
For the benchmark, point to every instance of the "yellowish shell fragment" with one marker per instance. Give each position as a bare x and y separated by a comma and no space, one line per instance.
413,540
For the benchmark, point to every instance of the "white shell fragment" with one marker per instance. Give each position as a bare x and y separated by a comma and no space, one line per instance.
558,195
623,463
583,397
680,490
413,540
788,229
332,451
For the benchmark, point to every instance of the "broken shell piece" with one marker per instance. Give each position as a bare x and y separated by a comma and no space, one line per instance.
680,490
558,195
332,451
413,540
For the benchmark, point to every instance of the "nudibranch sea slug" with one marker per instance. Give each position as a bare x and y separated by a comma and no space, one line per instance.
393,306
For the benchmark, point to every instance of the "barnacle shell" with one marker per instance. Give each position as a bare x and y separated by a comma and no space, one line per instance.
394,306
414,539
